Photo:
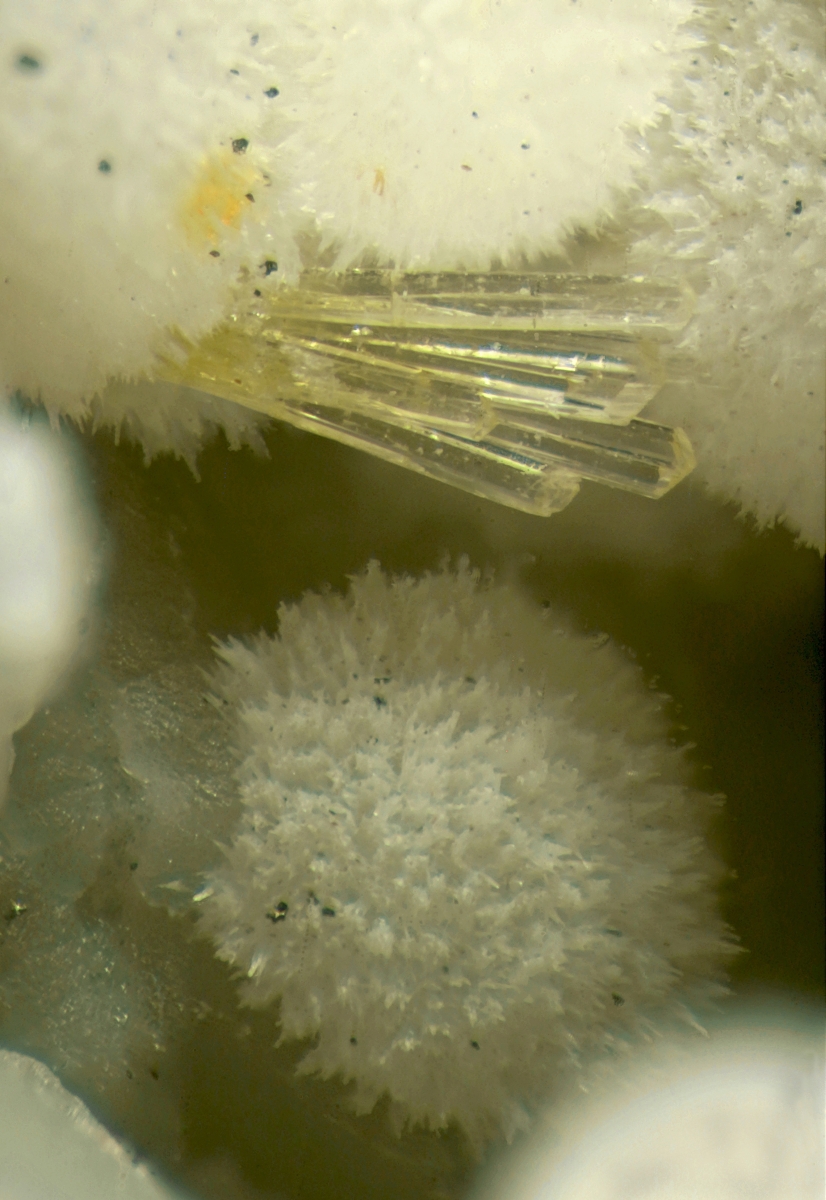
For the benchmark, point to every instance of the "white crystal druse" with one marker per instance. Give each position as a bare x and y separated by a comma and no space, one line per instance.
468,854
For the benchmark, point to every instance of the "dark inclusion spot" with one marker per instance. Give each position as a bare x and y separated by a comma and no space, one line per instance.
153,1071
250,197
526,145
254,40
215,254
104,166
234,71
798,207
353,1042
257,292
475,1045
618,1000
133,866
279,913
239,145
27,62
272,92
269,265
380,702
327,911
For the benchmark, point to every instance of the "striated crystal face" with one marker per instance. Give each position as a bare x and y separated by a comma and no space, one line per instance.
512,386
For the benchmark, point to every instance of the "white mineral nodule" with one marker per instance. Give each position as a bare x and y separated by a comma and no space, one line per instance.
468,856
740,1115
46,572
52,1148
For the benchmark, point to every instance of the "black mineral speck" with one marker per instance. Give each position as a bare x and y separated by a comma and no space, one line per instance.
526,145
250,197
327,911
618,1000
133,866
475,1045
380,702
353,1042
798,208
239,145
254,40
104,166
215,254
27,62
256,292
279,913
269,265
272,92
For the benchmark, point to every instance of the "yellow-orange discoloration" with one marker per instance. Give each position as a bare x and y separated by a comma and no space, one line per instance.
378,181
217,199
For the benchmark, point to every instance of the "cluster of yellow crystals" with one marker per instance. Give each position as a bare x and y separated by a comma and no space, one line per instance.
512,386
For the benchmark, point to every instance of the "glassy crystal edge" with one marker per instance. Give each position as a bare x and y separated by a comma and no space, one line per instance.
511,387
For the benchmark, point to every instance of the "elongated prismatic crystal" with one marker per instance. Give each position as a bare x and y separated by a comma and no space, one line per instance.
512,386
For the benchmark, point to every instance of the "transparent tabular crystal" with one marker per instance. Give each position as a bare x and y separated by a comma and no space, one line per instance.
512,386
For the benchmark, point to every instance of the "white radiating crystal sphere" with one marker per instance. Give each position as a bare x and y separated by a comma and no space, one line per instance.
468,852
52,1148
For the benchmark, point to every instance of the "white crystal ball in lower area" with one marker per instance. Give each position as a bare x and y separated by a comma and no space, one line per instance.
52,1148
468,854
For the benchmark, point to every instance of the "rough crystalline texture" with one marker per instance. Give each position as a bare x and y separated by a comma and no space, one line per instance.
150,160
468,855
735,180
52,1147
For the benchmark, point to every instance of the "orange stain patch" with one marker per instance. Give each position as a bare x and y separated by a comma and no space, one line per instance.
218,199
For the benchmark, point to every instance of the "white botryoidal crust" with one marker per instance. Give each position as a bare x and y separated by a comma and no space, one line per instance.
468,855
